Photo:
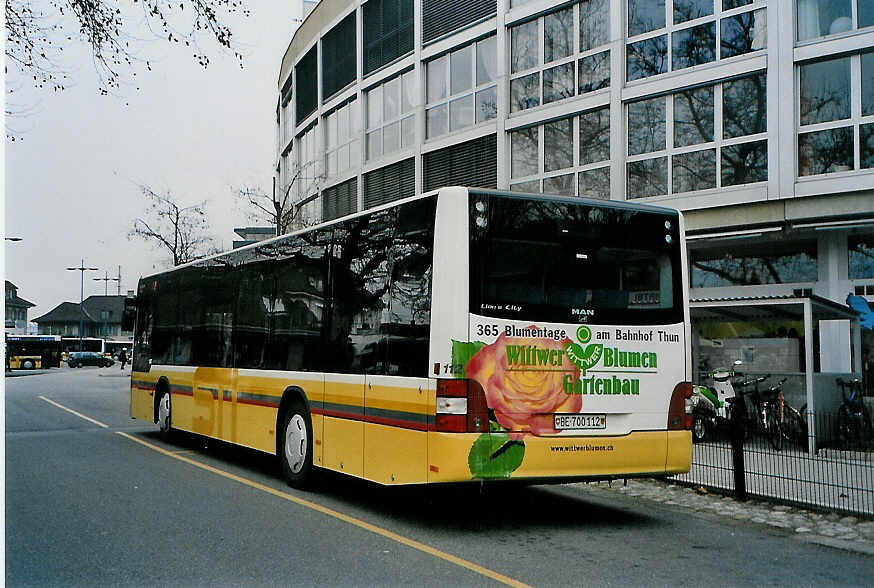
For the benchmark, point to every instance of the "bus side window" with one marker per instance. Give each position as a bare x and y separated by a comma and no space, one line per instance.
297,304
359,293
409,319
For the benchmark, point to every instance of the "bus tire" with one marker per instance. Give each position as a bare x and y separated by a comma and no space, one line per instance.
27,364
296,445
164,413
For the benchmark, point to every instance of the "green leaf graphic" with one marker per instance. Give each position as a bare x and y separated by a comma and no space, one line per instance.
495,455
584,357
462,351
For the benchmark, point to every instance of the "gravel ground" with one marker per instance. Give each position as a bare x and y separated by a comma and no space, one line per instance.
832,529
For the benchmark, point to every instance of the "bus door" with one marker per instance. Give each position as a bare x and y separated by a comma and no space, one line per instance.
213,396
344,428
396,418
214,378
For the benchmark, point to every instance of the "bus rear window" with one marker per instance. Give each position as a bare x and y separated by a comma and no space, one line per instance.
573,262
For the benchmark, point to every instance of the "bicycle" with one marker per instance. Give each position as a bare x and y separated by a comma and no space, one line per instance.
766,411
854,420
793,425
782,417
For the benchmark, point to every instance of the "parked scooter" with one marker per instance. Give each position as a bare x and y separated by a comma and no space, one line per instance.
710,406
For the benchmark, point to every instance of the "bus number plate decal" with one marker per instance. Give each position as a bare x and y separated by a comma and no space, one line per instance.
578,422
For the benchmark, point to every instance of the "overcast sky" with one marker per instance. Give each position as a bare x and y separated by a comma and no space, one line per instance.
71,180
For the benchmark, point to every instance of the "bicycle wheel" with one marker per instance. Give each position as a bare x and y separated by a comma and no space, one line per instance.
772,426
793,426
865,431
846,432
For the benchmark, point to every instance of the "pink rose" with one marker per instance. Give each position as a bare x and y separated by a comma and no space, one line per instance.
523,380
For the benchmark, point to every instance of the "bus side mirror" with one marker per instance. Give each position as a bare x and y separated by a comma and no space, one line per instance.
129,319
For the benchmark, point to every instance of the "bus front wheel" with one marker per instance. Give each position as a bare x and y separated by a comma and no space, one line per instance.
296,449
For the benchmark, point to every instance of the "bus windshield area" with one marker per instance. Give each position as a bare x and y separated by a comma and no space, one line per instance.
560,261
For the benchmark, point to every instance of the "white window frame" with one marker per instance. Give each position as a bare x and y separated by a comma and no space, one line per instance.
333,145
716,144
855,121
403,116
670,29
542,66
472,90
575,169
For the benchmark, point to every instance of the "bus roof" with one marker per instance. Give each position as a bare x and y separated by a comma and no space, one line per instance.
620,204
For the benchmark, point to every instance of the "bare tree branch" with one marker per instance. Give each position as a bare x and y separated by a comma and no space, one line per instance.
277,210
38,32
177,230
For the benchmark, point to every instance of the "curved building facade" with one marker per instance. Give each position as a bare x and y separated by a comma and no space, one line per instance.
754,117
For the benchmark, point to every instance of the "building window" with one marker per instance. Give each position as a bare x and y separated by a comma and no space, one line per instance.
306,76
559,55
820,18
390,183
461,88
307,172
473,163
574,158
338,57
700,139
343,126
388,32
828,123
778,262
861,257
340,200
658,44
391,115
441,17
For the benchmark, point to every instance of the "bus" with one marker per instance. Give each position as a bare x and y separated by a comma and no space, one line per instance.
70,343
111,348
29,352
459,335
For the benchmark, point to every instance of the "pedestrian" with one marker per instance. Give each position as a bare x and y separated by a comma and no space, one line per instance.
122,357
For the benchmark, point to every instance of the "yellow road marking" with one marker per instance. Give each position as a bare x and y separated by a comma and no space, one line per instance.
338,515
78,414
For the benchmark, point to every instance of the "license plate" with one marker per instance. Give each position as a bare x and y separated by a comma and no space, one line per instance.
578,422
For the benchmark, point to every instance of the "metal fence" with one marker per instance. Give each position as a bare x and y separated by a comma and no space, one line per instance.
838,475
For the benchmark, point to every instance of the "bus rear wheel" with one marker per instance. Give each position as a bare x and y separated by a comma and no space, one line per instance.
165,415
296,446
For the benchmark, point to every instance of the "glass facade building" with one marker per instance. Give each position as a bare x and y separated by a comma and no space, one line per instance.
753,117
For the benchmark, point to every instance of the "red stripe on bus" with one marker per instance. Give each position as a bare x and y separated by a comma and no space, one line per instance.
372,419
258,402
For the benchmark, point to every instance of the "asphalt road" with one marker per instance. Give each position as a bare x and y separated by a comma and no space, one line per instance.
94,498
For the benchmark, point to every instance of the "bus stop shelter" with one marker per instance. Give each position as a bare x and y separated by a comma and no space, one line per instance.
809,340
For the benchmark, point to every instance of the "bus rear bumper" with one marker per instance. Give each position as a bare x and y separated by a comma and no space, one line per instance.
452,457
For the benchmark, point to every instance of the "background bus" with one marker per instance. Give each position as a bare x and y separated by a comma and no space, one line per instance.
111,348
71,344
455,336
33,351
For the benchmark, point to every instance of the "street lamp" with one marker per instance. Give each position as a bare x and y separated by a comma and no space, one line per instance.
105,279
81,269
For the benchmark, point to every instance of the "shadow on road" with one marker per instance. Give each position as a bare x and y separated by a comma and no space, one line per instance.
493,507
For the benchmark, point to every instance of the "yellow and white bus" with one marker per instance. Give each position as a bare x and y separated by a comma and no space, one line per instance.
29,352
455,336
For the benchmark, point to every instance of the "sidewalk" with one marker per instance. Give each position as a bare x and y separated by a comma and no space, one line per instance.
19,373
830,529
113,372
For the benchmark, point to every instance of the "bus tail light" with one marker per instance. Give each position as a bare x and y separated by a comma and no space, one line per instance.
461,407
680,409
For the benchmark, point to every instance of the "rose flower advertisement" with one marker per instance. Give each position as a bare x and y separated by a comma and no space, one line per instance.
544,379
